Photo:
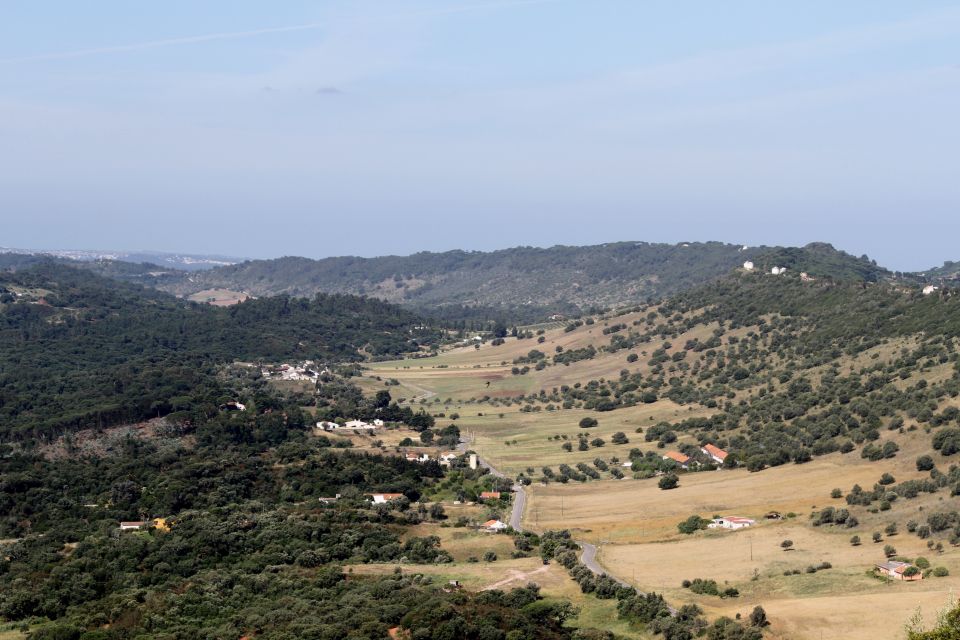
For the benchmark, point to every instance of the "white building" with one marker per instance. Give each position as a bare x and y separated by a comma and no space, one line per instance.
731,522
927,290
748,265
494,526
383,498
133,526
778,270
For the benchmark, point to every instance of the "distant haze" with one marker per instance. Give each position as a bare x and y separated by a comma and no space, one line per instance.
371,128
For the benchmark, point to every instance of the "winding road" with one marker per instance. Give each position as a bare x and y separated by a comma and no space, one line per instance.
589,555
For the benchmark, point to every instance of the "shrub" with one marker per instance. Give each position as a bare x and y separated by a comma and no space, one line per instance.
855,540
941,572
924,463
786,545
588,422
692,525
669,481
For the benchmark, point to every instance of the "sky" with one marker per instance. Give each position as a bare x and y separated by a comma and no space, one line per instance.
388,127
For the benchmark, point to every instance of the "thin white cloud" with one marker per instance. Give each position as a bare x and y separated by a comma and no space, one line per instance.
236,35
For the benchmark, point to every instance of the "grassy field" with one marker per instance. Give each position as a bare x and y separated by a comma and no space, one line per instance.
634,522
463,373
528,433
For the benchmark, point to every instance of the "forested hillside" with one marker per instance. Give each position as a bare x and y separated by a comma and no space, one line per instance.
243,547
540,281
78,350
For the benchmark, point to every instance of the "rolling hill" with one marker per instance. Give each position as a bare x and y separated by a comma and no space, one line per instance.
560,279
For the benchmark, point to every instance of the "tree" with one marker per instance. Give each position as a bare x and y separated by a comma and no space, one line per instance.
889,550
877,537
891,529
567,446
786,545
836,493
692,524
758,617
588,422
669,481
597,442
619,438
924,463
855,541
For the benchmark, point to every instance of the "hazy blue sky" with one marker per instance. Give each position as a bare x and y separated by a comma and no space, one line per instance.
360,127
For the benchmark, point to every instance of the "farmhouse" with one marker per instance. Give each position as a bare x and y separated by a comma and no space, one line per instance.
133,525
448,457
677,457
715,453
417,457
489,495
357,424
494,526
899,571
383,498
731,522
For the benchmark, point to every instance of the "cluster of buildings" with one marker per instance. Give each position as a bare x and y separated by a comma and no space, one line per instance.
445,459
308,371
352,426
715,453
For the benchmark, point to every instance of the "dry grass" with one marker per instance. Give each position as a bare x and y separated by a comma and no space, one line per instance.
636,521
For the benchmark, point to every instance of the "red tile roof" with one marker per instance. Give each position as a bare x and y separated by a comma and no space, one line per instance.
677,456
715,451
490,494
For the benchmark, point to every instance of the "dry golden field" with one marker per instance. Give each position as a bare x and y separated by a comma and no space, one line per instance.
635,522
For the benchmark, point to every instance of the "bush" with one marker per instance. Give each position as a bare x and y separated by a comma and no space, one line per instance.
924,463
922,562
489,556
855,540
588,422
941,572
669,481
692,525
786,545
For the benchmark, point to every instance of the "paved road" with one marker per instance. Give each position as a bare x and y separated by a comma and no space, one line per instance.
519,495
589,555
519,502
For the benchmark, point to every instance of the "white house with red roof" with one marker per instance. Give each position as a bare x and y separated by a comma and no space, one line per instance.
731,522
715,453
494,526
677,457
383,498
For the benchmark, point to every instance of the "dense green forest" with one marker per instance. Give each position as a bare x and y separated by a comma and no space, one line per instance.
245,548
529,281
78,350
